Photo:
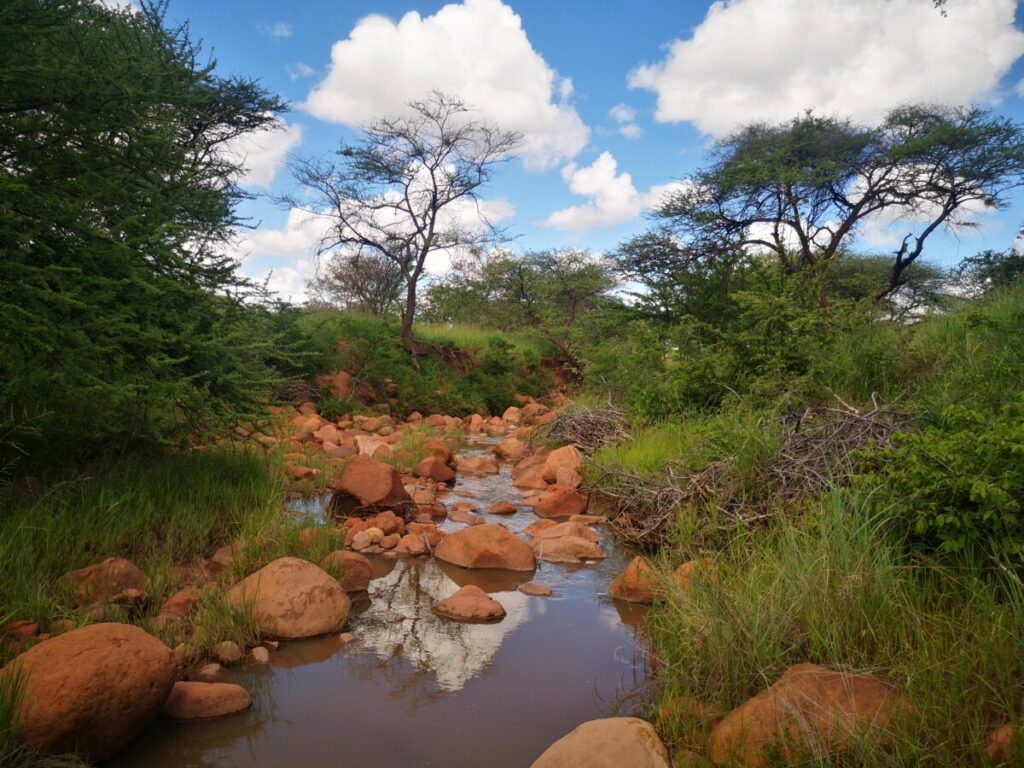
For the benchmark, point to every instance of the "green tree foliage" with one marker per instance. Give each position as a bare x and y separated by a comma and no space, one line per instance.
121,315
990,270
801,190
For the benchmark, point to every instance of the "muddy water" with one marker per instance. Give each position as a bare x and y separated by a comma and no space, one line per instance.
418,690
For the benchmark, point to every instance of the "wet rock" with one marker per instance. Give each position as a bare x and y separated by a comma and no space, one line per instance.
292,598
1000,748
434,469
368,483
634,584
470,604
529,473
588,519
259,655
567,549
429,531
388,522
461,515
347,637
412,545
570,528
463,506
208,673
534,589
613,742
560,501
477,466
227,652
511,449
568,457
486,546
465,494
105,581
391,540
539,525
808,705
475,422
503,508
356,570
203,701
92,690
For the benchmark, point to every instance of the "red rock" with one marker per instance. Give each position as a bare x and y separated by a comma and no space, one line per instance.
434,469
566,549
437,449
470,604
511,449
105,581
534,589
477,465
292,598
391,540
370,484
475,422
529,474
512,415
202,701
20,631
412,545
503,508
532,410
486,546
1000,747
613,742
388,522
539,525
567,457
92,690
808,705
588,519
634,584
566,529
463,506
356,571
429,531
338,384
560,501
181,602
461,515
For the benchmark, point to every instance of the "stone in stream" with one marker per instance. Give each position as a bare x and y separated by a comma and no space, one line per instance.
429,531
567,457
559,501
109,580
486,546
503,508
477,466
808,707
539,525
634,584
203,701
292,598
208,673
612,742
510,449
356,570
461,515
259,655
529,473
566,549
534,589
91,690
227,652
412,545
470,604
368,485
434,469
558,530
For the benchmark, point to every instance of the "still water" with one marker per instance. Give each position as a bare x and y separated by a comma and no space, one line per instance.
418,690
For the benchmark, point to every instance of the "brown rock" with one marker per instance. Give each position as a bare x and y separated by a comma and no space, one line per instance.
202,701
613,742
634,584
470,604
1000,748
567,457
477,465
92,690
529,474
511,449
370,484
503,508
105,581
588,519
388,522
299,472
391,540
292,598
429,531
687,572
438,449
412,545
560,501
461,515
227,652
539,525
434,469
486,546
534,589
566,549
570,528
259,655
807,707
512,415
181,602
356,570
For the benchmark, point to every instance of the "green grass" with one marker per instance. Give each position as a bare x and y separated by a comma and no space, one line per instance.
836,589
466,336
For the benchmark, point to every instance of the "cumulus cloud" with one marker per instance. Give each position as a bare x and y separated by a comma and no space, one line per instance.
476,50
613,197
625,116
772,59
264,152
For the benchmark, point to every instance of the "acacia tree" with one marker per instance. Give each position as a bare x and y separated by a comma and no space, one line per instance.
409,189
363,281
801,190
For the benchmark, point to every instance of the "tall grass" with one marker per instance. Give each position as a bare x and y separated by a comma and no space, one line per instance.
836,589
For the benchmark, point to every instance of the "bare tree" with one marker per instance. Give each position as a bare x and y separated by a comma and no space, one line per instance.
410,188
355,280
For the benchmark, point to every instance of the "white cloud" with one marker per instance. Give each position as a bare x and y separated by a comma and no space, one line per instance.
264,152
771,59
476,50
120,5
613,197
625,116
631,131
299,70
280,30
1020,89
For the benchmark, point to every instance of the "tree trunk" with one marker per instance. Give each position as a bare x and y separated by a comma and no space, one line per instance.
408,313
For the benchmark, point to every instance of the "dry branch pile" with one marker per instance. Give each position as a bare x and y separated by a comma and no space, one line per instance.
589,429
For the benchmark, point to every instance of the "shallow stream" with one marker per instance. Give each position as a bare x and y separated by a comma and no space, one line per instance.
419,690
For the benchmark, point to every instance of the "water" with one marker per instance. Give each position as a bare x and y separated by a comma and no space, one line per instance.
418,690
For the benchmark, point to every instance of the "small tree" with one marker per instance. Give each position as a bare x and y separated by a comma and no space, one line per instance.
363,281
409,189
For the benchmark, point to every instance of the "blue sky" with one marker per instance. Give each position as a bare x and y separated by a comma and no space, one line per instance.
616,99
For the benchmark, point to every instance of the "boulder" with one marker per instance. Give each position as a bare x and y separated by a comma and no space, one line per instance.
534,589
460,515
356,571
503,508
477,466
558,530
91,690
613,742
438,449
512,415
486,546
567,457
412,545
560,501
511,449
203,701
539,525
105,581
566,549
429,531
292,598
434,469
368,485
685,574
808,708
634,584
529,474
470,604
